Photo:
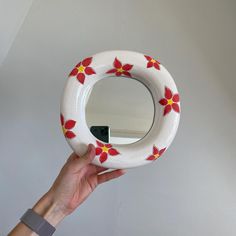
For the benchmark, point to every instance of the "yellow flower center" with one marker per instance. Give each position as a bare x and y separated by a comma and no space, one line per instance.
170,101
63,129
105,149
156,156
153,60
81,68
120,70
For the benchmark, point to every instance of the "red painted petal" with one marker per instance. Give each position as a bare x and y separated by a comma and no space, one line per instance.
163,101
148,57
175,97
127,67
108,145
70,124
87,61
156,65
167,109
78,65
111,71
70,134
155,150
62,119
89,71
100,144
149,64
98,151
162,151
103,157
175,107
117,64
126,73
151,158
118,73
81,77
113,152
168,93
73,72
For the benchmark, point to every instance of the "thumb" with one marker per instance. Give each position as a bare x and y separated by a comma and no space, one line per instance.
89,156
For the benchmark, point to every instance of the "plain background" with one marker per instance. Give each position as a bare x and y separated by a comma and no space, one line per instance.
191,190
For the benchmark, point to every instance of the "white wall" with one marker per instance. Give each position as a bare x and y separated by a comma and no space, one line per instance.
190,190
12,15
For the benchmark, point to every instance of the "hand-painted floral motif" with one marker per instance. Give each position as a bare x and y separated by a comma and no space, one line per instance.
156,153
170,102
67,126
82,69
152,63
104,150
120,69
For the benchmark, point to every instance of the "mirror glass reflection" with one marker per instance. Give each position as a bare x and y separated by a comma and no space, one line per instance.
119,110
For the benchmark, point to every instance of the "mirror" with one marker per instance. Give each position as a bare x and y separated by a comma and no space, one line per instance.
119,110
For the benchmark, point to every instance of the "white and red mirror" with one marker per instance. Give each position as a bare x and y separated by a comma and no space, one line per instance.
134,70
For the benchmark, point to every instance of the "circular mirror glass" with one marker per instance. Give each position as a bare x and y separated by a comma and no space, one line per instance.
119,110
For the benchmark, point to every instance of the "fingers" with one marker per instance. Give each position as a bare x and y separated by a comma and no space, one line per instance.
110,175
94,170
89,156
100,169
81,162
76,163
72,157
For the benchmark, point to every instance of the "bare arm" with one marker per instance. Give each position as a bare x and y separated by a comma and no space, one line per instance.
76,180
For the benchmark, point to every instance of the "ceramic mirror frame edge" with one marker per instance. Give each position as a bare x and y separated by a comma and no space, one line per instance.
136,66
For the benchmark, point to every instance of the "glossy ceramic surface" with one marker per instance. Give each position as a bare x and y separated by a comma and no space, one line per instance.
131,65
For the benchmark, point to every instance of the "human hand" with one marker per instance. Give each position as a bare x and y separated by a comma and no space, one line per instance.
77,179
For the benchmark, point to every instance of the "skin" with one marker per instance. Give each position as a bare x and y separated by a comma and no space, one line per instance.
76,181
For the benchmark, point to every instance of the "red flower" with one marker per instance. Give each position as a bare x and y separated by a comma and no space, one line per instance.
67,126
155,153
82,69
104,150
152,63
170,101
120,69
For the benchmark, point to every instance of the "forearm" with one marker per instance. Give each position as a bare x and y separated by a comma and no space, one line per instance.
45,207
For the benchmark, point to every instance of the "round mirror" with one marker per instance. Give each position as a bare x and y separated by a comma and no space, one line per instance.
119,110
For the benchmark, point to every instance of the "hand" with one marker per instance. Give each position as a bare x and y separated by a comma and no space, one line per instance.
77,179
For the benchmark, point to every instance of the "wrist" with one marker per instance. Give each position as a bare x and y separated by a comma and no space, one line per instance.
49,210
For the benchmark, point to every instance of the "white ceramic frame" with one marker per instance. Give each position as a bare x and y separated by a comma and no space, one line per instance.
146,70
